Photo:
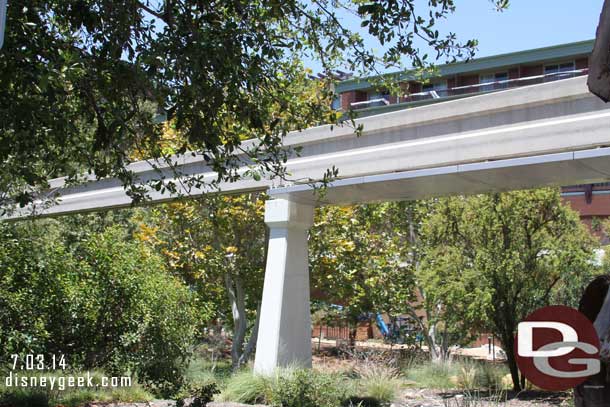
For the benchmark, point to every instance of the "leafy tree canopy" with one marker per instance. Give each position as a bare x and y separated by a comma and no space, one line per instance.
82,81
511,254
358,259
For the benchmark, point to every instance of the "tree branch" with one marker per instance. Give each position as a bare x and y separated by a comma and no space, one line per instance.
152,12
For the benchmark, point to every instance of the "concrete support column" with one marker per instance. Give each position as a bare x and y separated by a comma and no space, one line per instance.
284,336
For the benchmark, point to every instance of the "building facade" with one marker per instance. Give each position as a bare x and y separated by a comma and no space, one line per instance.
463,79
484,75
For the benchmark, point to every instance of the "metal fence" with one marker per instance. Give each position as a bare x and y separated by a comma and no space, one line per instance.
341,331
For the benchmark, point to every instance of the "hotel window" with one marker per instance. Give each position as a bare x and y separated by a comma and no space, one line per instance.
381,98
555,72
379,94
488,81
436,89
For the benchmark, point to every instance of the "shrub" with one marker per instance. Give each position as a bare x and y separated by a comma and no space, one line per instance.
290,388
467,374
379,381
431,375
304,388
491,376
383,390
106,302
467,377
24,398
202,396
480,375
246,387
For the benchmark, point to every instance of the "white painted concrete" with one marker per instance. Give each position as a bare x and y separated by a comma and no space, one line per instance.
568,168
285,324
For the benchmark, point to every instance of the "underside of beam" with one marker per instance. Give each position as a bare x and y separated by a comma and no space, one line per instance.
561,169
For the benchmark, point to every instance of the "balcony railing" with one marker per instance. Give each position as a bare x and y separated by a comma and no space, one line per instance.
370,103
473,89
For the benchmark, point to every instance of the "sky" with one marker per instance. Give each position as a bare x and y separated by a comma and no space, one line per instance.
525,25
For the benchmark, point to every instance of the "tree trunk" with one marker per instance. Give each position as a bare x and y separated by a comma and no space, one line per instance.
235,293
240,351
508,342
599,69
444,348
431,339
428,334
353,331
251,345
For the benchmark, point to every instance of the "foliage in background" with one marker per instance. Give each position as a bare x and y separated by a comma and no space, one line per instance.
356,260
105,302
110,301
367,259
218,246
468,264
516,252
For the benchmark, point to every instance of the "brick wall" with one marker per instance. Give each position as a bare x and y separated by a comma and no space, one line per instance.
364,331
483,339
582,63
599,206
352,96
531,70
336,331
466,80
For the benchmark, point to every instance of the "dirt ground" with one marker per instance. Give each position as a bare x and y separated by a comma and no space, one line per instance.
417,397
432,398
425,398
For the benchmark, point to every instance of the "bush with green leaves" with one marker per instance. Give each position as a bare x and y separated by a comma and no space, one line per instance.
302,388
201,396
104,302
290,388
247,387
380,382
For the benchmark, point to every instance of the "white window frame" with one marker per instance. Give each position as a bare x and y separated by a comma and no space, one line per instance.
488,79
434,87
558,65
558,70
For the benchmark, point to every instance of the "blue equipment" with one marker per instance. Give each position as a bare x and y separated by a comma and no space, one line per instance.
382,326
